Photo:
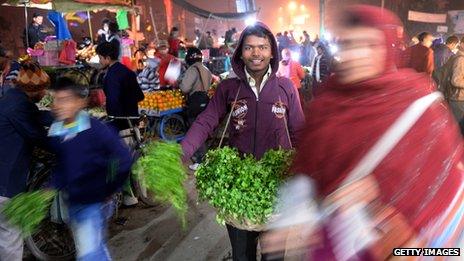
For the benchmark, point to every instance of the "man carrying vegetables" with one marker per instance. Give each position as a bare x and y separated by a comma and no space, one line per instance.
265,113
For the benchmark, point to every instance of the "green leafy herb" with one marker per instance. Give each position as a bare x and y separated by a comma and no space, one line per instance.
161,172
242,188
27,210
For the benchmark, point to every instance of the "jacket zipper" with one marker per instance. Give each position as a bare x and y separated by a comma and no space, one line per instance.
256,123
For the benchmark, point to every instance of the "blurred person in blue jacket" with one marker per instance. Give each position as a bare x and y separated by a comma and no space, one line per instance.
92,164
21,128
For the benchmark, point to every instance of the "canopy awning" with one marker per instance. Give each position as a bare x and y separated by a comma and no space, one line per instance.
207,14
74,5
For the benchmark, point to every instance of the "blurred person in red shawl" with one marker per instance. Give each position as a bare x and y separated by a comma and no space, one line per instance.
412,196
162,53
421,55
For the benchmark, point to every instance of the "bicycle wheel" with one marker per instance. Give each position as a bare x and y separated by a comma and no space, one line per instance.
172,127
142,192
52,241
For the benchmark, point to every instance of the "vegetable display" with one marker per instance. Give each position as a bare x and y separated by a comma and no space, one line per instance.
161,172
242,189
27,210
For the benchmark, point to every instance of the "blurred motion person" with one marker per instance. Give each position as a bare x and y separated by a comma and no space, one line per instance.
320,66
452,82
92,164
162,54
384,183
174,42
195,84
421,55
292,70
21,129
443,52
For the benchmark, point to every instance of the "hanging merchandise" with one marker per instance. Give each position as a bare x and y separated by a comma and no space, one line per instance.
61,26
121,19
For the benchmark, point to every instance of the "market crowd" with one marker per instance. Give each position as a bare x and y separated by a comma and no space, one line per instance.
375,127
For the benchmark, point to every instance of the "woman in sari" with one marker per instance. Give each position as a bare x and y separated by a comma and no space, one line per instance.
412,196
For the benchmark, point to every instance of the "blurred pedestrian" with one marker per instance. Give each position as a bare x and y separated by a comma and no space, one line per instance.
195,84
443,52
452,82
421,55
291,69
21,129
371,203
92,164
321,65
162,54
174,42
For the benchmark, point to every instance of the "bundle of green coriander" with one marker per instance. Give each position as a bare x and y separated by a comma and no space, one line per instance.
242,189
27,210
161,171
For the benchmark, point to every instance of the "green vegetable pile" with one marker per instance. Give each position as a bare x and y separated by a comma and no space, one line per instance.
240,187
27,210
161,171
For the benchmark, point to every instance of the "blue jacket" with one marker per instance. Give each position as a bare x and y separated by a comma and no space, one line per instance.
122,91
20,129
92,165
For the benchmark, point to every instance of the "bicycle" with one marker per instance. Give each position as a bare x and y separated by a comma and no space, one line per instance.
136,141
53,240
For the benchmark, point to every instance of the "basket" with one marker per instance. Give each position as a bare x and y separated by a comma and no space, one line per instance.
245,225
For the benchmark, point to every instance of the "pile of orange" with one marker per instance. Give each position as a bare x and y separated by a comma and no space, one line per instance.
163,100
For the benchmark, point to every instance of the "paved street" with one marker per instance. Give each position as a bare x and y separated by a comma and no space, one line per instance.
155,234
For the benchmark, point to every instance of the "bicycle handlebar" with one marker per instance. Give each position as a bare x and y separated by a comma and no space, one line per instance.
125,117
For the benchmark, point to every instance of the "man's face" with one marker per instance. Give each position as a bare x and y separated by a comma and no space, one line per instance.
256,53
106,27
104,61
428,41
66,105
38,20
163,50
362,54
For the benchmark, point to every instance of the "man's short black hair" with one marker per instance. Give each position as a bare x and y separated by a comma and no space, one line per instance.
66,84
453,39
423,35
256,31
35,15
108,49
113,27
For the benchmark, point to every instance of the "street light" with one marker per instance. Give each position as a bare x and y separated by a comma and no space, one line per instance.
250,21
292,6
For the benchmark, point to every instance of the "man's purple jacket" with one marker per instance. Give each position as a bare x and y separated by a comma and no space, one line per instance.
257,123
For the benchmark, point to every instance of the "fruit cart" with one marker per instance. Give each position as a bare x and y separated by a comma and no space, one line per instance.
165,111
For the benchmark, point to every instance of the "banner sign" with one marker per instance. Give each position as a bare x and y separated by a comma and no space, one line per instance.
427,17
457,18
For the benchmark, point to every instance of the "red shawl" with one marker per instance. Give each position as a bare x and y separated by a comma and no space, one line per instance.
420,176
